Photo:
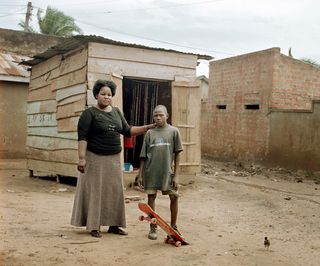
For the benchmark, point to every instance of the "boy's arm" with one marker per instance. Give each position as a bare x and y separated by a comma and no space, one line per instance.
141,169
175,178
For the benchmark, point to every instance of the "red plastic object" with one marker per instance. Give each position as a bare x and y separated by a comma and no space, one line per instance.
129,142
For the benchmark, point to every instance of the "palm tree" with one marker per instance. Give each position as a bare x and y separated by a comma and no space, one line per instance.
29,28
56,23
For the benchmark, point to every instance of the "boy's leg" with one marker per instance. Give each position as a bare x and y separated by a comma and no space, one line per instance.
153,227
152,200
173,209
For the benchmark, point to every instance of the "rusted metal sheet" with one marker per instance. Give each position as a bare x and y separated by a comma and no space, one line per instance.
10,70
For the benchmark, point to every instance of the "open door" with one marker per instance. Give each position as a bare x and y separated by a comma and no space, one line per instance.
186,112
140,98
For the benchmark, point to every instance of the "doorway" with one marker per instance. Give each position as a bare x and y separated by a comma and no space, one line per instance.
140,97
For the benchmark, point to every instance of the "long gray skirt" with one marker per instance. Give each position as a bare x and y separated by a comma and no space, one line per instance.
99,197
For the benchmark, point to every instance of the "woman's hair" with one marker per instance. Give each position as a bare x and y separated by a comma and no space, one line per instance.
101,83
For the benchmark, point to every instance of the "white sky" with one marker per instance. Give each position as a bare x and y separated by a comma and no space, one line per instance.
221,28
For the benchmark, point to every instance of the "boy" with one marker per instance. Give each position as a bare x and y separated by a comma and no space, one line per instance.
161,148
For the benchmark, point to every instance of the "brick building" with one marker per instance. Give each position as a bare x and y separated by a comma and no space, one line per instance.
263,107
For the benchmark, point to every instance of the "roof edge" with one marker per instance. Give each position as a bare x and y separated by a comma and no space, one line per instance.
74,42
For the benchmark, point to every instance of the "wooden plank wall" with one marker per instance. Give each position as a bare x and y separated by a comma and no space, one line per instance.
139,63
57,96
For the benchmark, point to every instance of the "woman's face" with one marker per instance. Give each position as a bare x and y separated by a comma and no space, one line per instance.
104,97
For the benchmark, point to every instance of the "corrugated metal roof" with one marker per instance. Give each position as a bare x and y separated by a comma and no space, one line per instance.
10,70
77,41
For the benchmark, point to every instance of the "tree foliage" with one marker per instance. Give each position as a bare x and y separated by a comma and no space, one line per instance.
311,62
54,23
29,28
305,60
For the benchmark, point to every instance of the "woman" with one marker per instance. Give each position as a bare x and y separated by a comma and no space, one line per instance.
99,198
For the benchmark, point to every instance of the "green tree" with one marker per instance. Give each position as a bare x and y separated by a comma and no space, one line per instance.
29,28
55,23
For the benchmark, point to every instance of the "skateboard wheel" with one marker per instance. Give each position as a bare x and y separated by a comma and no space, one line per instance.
171,241
141,218
153,221
177,244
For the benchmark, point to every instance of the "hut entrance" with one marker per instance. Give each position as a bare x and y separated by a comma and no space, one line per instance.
139,100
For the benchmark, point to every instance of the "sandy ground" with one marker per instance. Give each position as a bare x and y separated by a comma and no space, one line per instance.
225,213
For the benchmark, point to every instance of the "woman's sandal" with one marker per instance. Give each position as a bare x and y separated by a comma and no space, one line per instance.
116,230
95,233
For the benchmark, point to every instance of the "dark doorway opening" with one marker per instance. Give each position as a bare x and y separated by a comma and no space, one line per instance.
140,97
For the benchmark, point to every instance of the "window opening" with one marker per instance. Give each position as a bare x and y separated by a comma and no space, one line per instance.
252,106
221,106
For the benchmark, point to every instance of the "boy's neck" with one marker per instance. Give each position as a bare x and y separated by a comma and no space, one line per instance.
164,125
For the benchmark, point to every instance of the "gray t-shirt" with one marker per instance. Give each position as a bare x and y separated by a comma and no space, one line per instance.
158,149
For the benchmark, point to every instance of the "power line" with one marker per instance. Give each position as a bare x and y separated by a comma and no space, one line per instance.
154,40
168,6
11,5
10,14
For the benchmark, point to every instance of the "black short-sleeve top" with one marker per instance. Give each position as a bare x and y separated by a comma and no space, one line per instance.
102,130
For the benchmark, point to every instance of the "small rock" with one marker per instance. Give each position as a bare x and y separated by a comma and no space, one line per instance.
287,198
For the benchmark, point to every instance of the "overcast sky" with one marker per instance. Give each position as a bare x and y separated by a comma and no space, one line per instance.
221,28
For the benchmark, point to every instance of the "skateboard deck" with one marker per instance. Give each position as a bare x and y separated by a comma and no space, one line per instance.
172,236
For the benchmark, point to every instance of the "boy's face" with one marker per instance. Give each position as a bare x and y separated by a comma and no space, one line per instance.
160,117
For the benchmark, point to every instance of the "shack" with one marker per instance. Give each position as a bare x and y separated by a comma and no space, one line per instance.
14,81
61,85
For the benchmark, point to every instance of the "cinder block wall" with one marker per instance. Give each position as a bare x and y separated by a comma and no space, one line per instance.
239,84
295,84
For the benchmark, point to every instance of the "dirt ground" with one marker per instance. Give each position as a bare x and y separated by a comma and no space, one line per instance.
225,213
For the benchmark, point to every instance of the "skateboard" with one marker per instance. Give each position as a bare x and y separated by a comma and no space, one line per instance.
173,237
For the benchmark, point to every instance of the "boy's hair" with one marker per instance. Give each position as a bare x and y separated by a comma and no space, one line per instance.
162,107
101,83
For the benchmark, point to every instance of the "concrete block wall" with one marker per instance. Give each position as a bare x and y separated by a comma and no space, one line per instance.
295,84
238,83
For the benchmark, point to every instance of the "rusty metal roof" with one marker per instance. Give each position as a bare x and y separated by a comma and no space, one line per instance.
77,41
10,70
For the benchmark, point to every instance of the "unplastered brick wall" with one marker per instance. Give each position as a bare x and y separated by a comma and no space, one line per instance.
296,84
235,118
